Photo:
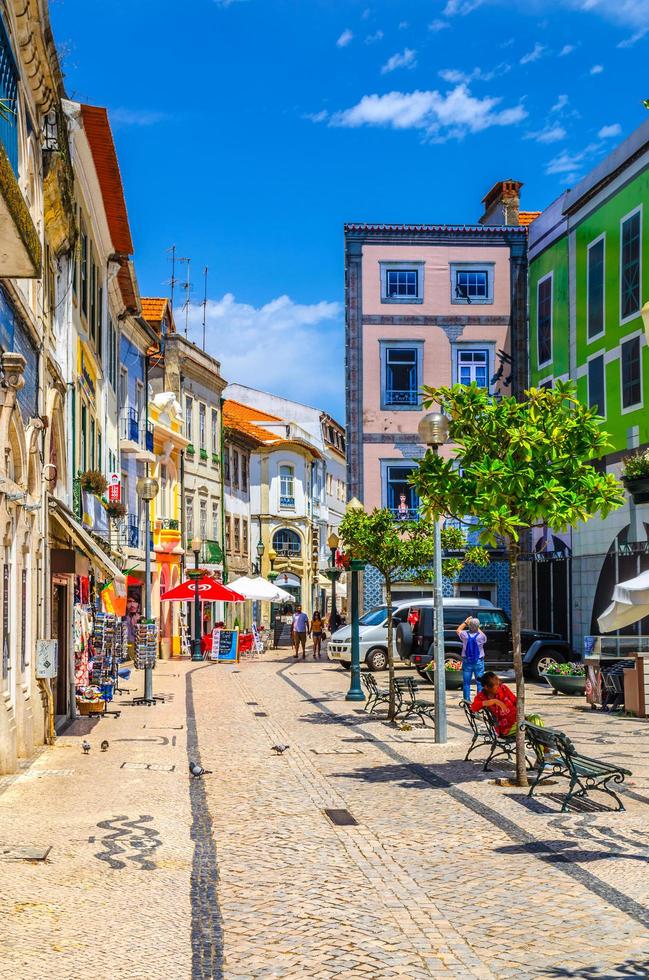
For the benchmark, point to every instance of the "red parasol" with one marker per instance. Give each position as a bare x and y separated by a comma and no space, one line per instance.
209,590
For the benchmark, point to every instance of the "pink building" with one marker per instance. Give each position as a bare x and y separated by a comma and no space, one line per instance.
427,305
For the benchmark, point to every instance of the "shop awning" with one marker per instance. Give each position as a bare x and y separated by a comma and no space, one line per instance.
629,604
85,542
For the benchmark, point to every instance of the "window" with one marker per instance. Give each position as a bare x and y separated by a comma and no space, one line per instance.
544,320
596,395
92,444
330,485
235,469
471,283
99,455
189,519
401,282
401,376
244,536
162,498
244,471
630,267
100,318
215,431
400,496
123,390
473,367
228,534
201,425
189,411
203,520
84,272
215,521
237,535
92,320
226,465
631,366
287,543
286,486
112,354
596,288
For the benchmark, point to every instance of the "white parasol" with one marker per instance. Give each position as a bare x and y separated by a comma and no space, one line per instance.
261,590
629,603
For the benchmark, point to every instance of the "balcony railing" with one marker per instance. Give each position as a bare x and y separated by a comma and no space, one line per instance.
169,524
289,550
409,514
395,396
134,533
8,97
288,502
149,437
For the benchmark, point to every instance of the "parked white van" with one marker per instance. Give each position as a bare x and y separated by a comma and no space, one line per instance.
373,630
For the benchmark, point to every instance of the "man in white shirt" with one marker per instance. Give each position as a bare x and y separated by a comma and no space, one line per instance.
299,629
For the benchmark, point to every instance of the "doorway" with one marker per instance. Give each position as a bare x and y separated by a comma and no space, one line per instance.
60,628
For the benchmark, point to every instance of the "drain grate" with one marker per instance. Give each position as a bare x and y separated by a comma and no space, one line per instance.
150,766
252,703
341,818
261,714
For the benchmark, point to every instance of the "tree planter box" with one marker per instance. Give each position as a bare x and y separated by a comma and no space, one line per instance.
453,679
638,488
572,684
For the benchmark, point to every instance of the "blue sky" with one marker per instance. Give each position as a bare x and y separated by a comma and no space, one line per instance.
249,131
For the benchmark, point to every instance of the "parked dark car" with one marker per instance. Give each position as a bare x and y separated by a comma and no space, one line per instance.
540,650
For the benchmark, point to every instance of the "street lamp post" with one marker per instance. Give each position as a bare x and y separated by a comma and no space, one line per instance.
355,692
272,575
196,546
332,542
434,429
147,489
260,554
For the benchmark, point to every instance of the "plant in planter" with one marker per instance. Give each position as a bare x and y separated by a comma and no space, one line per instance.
116,510
567,670
635,476
453,672
566,678
94,481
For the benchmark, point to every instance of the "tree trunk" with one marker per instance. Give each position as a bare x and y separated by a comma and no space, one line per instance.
521,764
392,707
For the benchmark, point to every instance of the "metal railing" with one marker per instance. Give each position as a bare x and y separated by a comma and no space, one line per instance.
395,396
409,514
8,98
287,502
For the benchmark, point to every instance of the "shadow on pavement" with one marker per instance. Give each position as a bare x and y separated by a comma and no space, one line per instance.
630,968
562,851
403,776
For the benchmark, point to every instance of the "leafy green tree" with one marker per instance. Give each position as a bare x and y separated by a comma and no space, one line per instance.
518,464
402,549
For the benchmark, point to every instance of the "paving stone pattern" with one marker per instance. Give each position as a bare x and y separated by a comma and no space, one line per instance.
243,875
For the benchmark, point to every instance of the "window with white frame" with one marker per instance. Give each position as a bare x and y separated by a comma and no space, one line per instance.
631,367
471,283
402,282
401,375
473,367
544,320
215,431
189,414
286,486
215,521
630,266
202,526
596,288
189,519
201,425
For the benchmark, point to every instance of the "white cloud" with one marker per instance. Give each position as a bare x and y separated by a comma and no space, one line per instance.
566,49
403,25
633,14
373,38
560,104
449,116
246,340
533,55
628,42
406,59
609,132
226,3
453,76
438,25
461,7
550,134
597,70
568,165
136,117
345,38
316,117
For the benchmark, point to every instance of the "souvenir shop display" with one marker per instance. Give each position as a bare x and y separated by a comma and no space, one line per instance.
146,644
100,648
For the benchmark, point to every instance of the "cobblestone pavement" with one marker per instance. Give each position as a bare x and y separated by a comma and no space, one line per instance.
243,875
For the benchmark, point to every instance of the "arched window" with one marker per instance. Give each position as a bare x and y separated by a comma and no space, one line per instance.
286,486
287,543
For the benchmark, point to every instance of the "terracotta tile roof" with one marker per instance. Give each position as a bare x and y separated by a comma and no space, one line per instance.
235,416
100,138
249,413
153,308
127,286
526,218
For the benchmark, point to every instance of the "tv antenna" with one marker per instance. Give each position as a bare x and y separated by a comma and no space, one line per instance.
204,304
173,281
187,286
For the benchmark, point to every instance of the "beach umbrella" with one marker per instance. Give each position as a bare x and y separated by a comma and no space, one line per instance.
209,590
629,604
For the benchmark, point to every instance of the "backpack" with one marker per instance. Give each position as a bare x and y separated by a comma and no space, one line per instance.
472,652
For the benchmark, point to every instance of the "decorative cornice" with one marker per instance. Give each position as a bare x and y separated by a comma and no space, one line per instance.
372,319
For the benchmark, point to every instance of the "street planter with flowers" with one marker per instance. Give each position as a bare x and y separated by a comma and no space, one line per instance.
452,673
635,476
566,678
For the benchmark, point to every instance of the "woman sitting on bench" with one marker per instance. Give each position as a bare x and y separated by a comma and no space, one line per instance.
501,702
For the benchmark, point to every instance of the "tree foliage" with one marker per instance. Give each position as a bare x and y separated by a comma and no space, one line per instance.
403,549
516,465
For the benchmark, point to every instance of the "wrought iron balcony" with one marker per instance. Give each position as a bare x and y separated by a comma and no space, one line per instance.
288,502
409,514
395,396
9,100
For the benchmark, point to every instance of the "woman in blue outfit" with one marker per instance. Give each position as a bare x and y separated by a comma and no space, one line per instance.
473,641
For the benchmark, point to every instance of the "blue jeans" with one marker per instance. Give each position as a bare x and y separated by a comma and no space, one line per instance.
469,670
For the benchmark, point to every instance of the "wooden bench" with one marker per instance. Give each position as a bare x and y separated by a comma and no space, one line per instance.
485,734
556,756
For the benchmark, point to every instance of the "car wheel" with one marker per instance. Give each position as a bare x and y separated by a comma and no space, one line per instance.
377,659
549,658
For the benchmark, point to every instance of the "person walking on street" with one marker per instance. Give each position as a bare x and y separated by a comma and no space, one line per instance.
299,629
473,641
317,633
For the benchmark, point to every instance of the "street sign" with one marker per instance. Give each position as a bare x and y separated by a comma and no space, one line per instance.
114,488
47,655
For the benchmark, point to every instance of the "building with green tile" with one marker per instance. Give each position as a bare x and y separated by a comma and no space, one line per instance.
588,281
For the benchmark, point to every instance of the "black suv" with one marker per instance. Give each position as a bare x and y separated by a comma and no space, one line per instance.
540,650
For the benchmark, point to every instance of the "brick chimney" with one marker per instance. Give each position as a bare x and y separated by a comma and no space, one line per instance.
502,203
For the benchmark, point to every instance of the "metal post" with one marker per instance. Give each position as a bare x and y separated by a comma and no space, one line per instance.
196,654
440,677
148,671
333,624
355,692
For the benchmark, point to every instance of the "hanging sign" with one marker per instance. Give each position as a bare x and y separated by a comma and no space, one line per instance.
47,652
225,646
114,488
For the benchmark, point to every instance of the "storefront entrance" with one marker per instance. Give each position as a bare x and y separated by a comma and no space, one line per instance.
61,687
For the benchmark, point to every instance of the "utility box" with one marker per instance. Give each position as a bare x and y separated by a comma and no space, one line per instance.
47,659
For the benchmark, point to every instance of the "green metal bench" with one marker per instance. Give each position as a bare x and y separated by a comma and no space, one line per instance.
484,732
556,756
375,695
410,702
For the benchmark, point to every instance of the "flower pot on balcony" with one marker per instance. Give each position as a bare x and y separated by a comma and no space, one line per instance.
94,481
638,488
204,454
190,450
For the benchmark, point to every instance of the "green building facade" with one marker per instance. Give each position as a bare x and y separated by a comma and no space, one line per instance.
588,282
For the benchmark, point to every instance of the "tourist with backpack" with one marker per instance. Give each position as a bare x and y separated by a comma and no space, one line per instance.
473,641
